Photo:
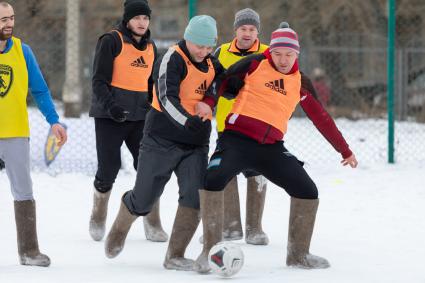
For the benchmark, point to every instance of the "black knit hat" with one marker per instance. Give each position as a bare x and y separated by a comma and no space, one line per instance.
134,8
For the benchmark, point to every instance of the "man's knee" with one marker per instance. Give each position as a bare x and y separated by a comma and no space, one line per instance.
215,182
192,202
307,190
137,207
22,196
102,186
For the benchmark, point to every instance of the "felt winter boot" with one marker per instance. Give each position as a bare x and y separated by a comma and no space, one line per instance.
116,238
26,231
185,224
301,223
152,224
256,196
98,215
232,226
212,221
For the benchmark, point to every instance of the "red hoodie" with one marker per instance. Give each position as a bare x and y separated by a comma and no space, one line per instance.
266,133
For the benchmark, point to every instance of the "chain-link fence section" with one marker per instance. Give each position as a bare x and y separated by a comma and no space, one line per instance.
343,50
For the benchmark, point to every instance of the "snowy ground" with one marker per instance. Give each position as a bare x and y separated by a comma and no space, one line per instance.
370,222
370,226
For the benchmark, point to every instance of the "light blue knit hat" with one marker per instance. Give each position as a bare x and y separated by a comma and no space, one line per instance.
202,30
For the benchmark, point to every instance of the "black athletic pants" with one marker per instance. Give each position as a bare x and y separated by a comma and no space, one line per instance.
236,152
110,136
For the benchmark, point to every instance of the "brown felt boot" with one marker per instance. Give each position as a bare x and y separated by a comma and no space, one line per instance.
301,223
152,224
212,222
232,226
185,224
26,231
256,196
98,215
116,238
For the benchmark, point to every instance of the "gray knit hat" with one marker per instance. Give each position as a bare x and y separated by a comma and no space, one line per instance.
247,16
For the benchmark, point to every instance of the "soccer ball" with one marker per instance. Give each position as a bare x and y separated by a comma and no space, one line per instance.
226,259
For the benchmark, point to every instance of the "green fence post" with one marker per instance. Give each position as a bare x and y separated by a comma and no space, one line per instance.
192,8
390,78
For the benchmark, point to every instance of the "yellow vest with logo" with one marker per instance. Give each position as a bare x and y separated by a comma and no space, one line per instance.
228,57
13,93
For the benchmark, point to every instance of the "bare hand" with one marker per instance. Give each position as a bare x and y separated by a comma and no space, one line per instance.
352,161
60,134
203,110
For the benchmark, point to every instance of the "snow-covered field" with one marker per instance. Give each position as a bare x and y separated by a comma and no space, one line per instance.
370,224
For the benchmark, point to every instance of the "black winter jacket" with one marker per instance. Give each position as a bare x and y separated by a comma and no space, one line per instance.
104,95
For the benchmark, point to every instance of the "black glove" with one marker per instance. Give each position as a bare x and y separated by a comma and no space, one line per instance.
118,114
194,124
234,84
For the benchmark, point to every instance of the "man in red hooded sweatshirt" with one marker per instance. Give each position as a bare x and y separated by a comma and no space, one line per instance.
267,87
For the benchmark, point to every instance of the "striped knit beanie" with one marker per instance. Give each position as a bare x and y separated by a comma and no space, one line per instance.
284,36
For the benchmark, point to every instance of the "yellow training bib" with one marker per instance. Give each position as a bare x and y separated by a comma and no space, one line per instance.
13,93
227,57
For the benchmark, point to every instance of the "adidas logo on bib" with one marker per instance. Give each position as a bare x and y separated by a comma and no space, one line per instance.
202,88
139,62
276,85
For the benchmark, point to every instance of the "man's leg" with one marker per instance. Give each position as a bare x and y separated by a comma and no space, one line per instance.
283,169
190,174
225,163
109,138
232,226
151,222
16,154
156,164
255,199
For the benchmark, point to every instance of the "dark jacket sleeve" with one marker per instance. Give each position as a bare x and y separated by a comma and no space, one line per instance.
211,95
321,119
169,72
108,47
217,52
150,80
234,77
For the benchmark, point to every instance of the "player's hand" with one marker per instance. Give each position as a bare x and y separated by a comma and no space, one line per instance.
194,124
203,110
118,114
60,133
352,161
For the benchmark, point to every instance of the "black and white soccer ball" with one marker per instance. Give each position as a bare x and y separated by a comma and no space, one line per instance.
226,259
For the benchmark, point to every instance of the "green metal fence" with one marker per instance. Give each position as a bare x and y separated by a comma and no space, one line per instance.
367,59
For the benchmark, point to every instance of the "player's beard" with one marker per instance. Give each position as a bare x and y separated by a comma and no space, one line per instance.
4,36
138,34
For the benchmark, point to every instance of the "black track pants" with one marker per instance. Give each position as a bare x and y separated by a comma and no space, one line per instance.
236,153
110,136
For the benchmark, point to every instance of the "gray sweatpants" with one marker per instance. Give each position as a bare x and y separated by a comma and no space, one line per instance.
15,153
158,159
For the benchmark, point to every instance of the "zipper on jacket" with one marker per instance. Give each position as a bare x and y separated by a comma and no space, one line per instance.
266,134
